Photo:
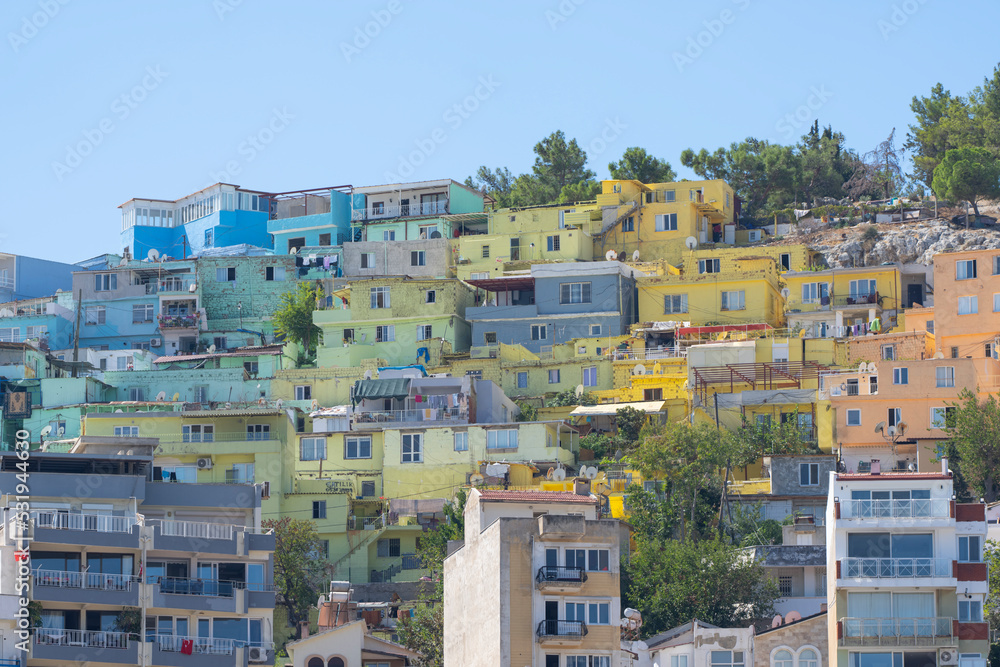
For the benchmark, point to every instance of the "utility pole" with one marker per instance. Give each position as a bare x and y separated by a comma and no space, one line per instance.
76,331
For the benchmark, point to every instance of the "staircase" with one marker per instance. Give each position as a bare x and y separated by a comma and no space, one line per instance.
370,536
614,216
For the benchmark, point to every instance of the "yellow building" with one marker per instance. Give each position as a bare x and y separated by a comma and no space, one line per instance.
836,301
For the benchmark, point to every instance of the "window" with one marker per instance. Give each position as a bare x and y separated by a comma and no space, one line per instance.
854,417
552,243
258,432
367,260
378,207
970,611
735,300
708,266
815,292
675,303
945,376
726,658
809,657
888,352
380,297
251,367
970,549
225,274
126,431
418,258
590,376
628,224
574,293
358,448
96,315
666,222
595,329
209,238
861,288
598,560
486,252
388,547
105,282
385,333
430,296
424,332
303,392
968,305
522,380
894,416
296,242
784,586
477,373
782,658
598,613
554,376
901,375
502,439
319,509
652,394
312,449
965,269
142,313
12,334
808,474
389,235
539,331
413,448
274,273
324,239
461,441
489,337
198,433
136,394
954,352
942,417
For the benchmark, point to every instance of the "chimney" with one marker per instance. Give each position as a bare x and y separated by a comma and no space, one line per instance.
944,465
581,487
303,629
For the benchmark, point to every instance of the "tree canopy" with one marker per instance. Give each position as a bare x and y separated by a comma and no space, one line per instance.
968,174
299,574
638,165
293,317
973,426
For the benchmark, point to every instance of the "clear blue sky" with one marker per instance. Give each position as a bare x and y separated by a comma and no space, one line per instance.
163,96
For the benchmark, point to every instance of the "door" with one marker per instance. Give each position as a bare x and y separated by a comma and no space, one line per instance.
551,617
914,294
404,207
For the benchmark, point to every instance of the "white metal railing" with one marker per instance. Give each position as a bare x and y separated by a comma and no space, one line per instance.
400,210
203,645
6,283
922,508
895,568
96,639
208,531
647,355
85,521
96,580
896,631
418,415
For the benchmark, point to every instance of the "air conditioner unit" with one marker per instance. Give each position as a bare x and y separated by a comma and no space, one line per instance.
155,342
205,463
948,656
265,492
256,654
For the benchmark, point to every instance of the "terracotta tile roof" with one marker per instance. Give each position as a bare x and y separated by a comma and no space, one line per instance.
535,497
893,475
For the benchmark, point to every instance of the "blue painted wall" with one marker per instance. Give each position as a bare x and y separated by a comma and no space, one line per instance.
119,331
228,227
38,277
336,223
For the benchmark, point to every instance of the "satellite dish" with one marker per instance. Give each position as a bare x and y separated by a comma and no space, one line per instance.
939,355
46,430
229,406
177,397
559,475
579,390
162,396
119,411
591,472
618,455
61,430
123,262
892,430
211,348
912,467
639,370
322,601
192,288
6,312
785,292
872,368
611,255
278,403
776,621
548,474
368,375
691,243
793,616
315,404
863,367
153,255
901,428
635,256
435,234
880,427
476,478
292,251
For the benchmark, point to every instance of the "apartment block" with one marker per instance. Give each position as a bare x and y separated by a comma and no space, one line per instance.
30,278
967,303
905,570
843,302
130,570
421,210
535,582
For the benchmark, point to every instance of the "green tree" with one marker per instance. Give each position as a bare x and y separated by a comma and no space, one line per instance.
671,582
638,165
293,318
628,422
580,191
974,437
755,439
528,412
299,572
970,174
991,556
569,397
559,162
497,183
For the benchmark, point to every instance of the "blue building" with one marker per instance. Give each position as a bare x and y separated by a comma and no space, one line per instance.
555,304
218,216
28,278
318,219
44,320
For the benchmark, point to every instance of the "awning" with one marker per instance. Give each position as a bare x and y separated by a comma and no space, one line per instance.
504,283
649,407
398,388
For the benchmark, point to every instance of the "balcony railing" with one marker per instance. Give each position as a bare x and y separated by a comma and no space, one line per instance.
91,522
96,639
556,573
896,631
857,300
206,587
400,210
555,628
924,508
651,354
200,645
365,522
196,529
97,580
895,568
178,321
410,416
174,285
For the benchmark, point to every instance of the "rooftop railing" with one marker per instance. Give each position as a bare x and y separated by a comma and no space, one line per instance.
930,631
922,508
895,568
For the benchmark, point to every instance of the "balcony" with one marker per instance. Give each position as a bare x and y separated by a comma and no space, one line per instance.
895,568
199,595
895,632
84,587
178,321
173,286
554,631
83,647
205,652
560,579
8,283
217,538
399,211
928,508
382,418
650,354
85,529
858,301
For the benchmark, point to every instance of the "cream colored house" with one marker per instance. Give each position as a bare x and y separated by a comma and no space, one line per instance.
347,645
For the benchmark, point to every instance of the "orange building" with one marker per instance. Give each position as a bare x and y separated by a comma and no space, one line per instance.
967,303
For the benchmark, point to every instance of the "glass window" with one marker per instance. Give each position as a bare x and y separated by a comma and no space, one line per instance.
965,269
461,441
970,611
554,376
574,293
726,658
303,392
198,433
735,300
357,448
970,549
708,266
590,376
901,376
809,474
782,658
380,297
598,613
412,448
598,560
312,449
539,331
945,376
522,380
675,303
502,439
319,509
666,222
678,661
809,657
968,305
854,417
